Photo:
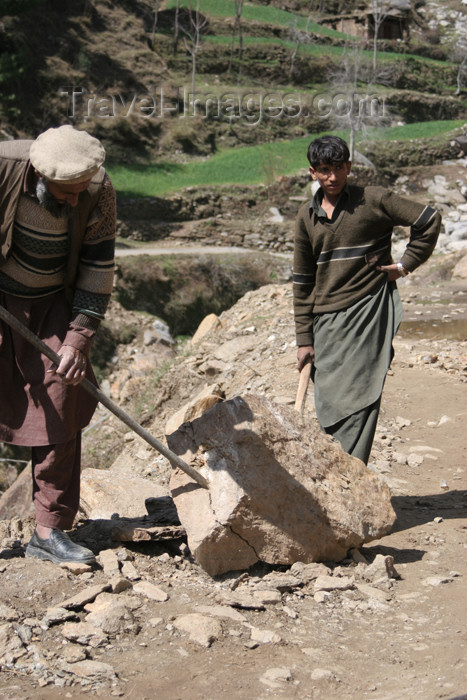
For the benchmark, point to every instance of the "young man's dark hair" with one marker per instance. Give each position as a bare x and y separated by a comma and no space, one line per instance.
331,150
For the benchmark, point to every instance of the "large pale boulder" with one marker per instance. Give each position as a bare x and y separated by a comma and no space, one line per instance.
280,490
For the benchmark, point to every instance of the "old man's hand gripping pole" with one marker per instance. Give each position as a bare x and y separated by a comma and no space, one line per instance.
99,395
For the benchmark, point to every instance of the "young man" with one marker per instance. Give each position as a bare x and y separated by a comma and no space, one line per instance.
57,238
346,304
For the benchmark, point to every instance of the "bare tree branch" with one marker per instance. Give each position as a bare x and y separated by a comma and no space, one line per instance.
192,38
176,27
299,37
237,28
379,10
156,14
354,107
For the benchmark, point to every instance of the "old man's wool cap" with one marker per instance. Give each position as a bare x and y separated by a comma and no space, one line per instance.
66,155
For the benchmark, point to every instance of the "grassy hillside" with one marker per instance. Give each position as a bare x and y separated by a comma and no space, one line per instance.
102,66
250,164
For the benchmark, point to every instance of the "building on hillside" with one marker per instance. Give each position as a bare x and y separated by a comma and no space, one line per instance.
393,20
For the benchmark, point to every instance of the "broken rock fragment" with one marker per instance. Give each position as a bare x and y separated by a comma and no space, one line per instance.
280,490
201,629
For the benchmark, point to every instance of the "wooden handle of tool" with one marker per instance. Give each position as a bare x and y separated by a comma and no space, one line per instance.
99,395
304,380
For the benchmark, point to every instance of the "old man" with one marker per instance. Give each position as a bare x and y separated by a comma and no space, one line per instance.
57,237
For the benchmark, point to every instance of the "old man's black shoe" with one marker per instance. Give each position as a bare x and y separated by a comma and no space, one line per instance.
58,548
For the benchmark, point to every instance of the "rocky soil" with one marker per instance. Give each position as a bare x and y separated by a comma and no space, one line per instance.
386,623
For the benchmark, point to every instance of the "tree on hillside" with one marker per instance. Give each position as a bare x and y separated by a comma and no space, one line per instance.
154,25
346,77
317,6
299,37
192,38
176,27
353,105
237,29
461,75
459,56
379,11
322,6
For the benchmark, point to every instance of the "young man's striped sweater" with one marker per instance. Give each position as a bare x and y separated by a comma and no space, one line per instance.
335,260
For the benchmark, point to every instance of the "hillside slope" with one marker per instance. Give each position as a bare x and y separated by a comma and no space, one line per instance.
99,65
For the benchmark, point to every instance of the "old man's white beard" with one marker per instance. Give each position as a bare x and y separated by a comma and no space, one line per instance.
50,203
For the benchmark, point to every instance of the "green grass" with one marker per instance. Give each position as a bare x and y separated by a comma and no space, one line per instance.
418,130
248,165
257,13
322,49
271,15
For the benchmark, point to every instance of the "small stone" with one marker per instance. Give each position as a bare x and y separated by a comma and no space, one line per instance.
7,613
311,571
84,633
85,596
57,614
124,555
333,583
222,611
91,669
72,653
201,629
414,460
436,580
265,636
268,597
275,677
428,359
375,593
438,520
76,568
241,599
283,582
151,591
118,584
250,644
290,612
155,621
443,485
320,674
109,562
357,556
129,571
11,646
113,614
382,567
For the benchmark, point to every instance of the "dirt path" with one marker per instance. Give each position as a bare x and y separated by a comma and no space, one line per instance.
393,640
